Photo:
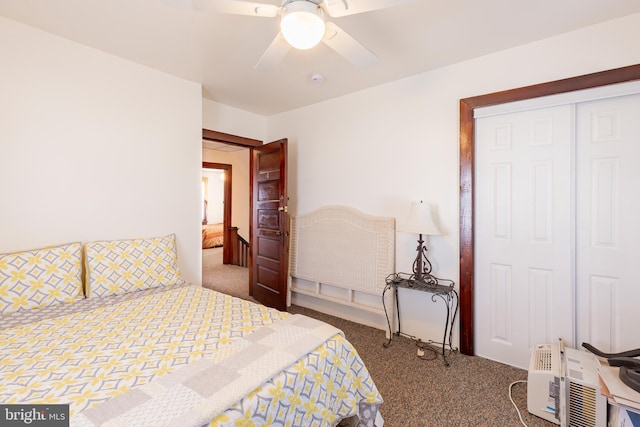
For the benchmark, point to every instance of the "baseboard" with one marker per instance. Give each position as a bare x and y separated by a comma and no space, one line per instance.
363,317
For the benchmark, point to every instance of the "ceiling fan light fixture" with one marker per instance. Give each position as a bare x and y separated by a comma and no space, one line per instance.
302,24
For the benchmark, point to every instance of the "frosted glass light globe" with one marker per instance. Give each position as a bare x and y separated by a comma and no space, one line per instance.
302,25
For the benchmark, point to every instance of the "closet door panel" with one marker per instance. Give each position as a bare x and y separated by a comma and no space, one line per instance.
523,272
608,230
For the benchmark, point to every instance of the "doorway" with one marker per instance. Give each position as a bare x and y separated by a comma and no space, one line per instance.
228,153
216,220
266,215
217,187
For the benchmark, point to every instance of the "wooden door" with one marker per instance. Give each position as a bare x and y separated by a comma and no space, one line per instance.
269,231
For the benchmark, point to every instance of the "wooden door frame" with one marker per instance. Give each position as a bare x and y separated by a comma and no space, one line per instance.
467,163
226,138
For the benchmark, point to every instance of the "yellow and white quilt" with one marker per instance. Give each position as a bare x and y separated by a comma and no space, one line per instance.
183,355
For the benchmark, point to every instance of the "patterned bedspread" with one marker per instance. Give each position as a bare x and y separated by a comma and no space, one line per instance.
212,235
184,353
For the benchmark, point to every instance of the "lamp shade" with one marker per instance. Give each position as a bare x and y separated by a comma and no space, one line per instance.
302,24
420,221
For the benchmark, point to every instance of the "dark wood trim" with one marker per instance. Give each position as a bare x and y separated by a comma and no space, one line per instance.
239,248
587,81
466,227
467,161
233,244
212,135
251,231
227,254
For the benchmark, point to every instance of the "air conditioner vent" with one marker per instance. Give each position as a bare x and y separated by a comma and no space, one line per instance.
542,359
574,373
581,408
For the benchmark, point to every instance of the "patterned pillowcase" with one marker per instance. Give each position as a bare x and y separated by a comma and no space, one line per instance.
116,267
40,277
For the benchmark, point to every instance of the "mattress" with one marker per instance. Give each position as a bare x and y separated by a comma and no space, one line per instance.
183,355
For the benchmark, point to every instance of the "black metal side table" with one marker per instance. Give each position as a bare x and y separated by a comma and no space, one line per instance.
443,289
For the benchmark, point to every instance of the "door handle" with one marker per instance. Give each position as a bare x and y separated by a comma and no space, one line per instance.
283,209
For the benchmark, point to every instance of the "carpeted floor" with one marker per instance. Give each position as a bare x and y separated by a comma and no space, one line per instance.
472,391
230,279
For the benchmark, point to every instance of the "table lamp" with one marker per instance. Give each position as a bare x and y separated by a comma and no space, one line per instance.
420,222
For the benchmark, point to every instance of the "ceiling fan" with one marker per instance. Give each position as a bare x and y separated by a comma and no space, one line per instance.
303,25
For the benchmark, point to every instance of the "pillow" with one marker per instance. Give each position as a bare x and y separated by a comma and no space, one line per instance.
40,277
116,267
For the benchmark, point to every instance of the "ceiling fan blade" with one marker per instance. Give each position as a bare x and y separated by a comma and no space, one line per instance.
234,7
338,8
348,47
273,56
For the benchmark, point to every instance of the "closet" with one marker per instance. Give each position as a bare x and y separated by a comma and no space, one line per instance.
557,192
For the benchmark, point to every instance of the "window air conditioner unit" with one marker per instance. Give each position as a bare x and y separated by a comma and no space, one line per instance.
543,382
563,387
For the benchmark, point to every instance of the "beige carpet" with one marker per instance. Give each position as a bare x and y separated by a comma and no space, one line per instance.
471,392
230,279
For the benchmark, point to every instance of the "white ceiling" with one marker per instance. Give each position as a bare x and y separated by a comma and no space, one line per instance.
219,51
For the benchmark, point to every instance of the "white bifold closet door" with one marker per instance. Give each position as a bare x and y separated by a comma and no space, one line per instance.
556,195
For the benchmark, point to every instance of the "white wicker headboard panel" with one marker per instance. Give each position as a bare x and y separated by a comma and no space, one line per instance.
343,247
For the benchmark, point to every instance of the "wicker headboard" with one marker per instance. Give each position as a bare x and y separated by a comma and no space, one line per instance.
342,248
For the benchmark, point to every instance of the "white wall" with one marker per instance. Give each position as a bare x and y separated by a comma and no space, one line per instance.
223,118
380,149
215,195
95,147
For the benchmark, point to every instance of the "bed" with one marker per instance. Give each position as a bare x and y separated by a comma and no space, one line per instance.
212,235
133,345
